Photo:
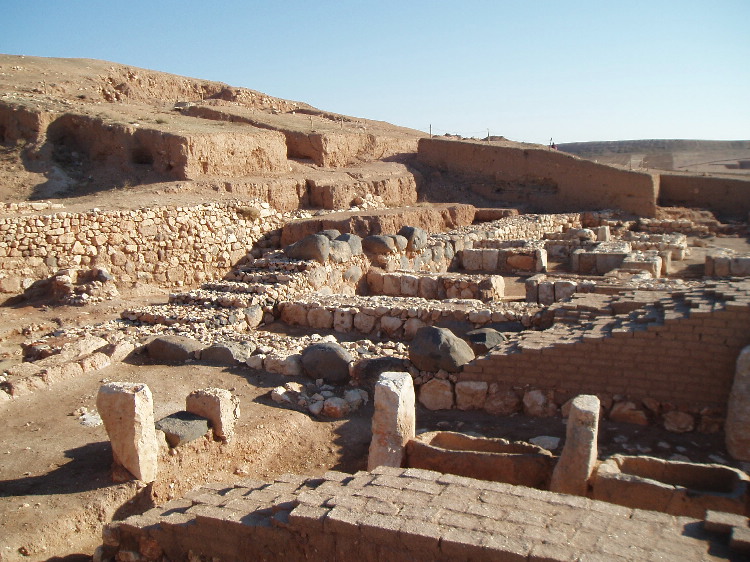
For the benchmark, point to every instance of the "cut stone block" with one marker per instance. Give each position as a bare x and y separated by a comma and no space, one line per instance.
578,459
470,395
127,410
219,406
393,422
738,410
436,394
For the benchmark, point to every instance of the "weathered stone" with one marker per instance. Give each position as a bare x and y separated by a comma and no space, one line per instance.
416,238
364,322
219,406
409,285
628,412
484,339
435,348
471,395
369,370
328,361
394,421
411,327
354,241
343,320
230,353
340,251
400,242
353,274
379,245
578,460
355,398
118,351
536,403
315,247
127,410
436,394
679,422
290,365
502,402
471,259
182,427
428,287
391,325
738,410
336,407
546,292
331,233
564,289
173,349
320,318
253,316
294,314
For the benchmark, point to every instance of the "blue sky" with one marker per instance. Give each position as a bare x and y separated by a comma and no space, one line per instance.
527,70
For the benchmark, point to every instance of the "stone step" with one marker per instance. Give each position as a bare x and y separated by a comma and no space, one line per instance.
187,314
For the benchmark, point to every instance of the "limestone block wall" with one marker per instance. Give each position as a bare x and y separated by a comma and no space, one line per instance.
442,286
682,352
724,262
728,197
549,180
161,245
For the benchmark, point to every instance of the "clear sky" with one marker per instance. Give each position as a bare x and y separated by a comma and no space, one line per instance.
525,69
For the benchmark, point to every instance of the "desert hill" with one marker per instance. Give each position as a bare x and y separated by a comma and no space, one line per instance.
698,156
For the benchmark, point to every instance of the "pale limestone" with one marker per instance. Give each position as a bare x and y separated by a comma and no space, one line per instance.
578,460
127,410
436,394
394,421
219,406
470,395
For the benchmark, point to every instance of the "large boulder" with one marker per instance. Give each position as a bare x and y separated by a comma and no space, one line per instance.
173,349
315,247
354,241
484,339
230,353
416,238
379,245
328,361
434,348
340,251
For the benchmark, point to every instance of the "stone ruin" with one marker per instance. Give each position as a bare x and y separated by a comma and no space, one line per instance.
569,293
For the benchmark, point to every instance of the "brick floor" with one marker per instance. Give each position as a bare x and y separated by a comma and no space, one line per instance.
408,514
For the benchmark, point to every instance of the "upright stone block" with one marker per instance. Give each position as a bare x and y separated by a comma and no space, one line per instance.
738,410
219,406
127,410
393,423
576,464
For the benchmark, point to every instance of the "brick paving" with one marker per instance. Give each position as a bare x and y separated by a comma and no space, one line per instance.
404,514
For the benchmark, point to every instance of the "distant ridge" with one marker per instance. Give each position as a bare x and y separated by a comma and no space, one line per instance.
707,156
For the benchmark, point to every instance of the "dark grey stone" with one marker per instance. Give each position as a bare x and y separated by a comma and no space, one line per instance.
340,251
400,241
368,370
434,348
354,241
379,245
312,247
173,349
416,237
328,361
230,353
183,427
331,233
484,339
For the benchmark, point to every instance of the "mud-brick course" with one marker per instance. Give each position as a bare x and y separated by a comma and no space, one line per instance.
401,514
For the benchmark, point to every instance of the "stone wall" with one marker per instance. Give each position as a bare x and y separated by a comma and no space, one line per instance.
681,352
547,180
161,245
728,197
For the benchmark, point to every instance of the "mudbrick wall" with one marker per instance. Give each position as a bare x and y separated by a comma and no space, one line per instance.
548,180
399,514
729,197
162,245
679,351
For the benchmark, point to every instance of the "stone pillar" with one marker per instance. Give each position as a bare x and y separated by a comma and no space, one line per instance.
576,464
127,410
218,406
394,420
737,427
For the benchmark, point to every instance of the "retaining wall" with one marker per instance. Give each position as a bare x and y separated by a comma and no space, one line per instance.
728,197
548,180
161,245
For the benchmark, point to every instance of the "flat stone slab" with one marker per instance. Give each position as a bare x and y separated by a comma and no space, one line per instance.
182,427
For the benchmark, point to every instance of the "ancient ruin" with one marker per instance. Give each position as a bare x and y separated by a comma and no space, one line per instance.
239,327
